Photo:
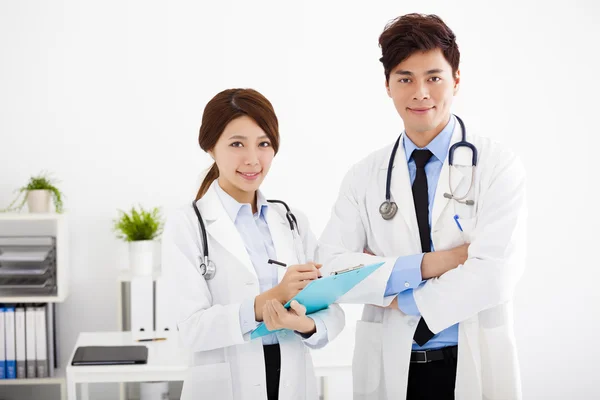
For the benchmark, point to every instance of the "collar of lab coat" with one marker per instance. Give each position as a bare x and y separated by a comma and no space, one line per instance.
401,188
220,226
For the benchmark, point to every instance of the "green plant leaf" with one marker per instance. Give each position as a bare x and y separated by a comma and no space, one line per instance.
43,181
138,224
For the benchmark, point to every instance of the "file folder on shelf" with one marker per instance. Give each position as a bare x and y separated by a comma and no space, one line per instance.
51,343
41,342
30,341
9,324
20,341
142,307
321,293
2,345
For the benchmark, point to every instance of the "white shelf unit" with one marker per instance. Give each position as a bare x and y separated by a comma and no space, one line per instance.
161,320
40,224
57,379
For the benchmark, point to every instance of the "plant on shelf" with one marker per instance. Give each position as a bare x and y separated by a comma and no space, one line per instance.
37,194
140,229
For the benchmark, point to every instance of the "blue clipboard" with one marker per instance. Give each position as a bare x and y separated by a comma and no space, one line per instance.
321,293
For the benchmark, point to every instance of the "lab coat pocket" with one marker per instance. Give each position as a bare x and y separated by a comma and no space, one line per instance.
448,234
367,360
499,361
311,379
210,381
468,227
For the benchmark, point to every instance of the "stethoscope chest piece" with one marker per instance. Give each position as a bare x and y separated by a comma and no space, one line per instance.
388,209
208,270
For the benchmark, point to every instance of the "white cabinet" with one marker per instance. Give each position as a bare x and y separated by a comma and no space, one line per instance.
29,291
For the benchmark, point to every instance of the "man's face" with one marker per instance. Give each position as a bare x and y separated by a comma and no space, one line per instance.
422,88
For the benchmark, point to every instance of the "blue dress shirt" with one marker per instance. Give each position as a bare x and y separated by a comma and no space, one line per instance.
406,273
255,233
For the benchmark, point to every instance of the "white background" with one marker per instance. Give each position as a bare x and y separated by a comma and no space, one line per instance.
108,96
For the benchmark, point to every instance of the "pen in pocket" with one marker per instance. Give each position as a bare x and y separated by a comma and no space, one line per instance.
458,223
460,228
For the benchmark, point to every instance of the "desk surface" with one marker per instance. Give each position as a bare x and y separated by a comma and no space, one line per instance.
168,361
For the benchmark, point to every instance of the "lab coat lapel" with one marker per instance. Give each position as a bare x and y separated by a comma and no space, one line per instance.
443,184
401,191
221,228
281,236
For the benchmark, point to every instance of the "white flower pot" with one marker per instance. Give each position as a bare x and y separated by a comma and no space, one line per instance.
141,257
38,201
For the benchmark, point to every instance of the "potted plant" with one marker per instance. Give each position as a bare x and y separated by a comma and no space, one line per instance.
37,194
140,229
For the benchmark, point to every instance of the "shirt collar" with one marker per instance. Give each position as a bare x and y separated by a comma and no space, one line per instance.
233,207
438,146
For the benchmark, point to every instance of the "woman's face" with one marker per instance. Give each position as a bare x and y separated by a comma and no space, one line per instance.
243,155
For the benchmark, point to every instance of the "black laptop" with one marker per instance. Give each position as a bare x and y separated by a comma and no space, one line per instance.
110,355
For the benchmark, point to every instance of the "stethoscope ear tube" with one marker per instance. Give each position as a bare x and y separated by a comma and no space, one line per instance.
208,268
462,143
388,208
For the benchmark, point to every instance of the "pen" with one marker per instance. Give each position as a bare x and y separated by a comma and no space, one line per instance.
152,339
277,262
458,223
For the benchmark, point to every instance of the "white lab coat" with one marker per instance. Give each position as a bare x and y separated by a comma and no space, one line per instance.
477,294
226,364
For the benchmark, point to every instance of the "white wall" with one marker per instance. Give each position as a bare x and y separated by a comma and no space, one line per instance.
109,95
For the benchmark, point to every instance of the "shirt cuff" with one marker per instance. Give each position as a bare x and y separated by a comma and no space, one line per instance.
405,275
247,317
406,302
317,339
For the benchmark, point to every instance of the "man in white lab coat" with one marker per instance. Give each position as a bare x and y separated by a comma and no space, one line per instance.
437,322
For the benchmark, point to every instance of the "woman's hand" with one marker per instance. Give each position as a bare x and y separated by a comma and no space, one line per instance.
277,317
295,279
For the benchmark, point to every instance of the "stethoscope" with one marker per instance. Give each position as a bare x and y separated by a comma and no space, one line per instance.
388,208
207,267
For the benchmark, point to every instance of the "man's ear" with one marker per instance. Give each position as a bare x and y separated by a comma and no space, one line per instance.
457,82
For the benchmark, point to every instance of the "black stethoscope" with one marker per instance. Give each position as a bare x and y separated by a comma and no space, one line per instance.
388,208
207,267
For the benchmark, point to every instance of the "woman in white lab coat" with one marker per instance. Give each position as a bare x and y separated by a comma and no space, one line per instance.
215,316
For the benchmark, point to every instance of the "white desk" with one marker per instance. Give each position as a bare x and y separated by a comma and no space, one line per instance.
168,362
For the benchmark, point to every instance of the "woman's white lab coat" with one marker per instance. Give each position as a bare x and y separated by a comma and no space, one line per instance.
226,364
477,295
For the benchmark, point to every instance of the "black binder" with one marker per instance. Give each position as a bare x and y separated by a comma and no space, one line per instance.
110,355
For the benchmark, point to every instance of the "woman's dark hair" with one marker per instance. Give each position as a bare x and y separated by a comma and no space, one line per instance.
224,108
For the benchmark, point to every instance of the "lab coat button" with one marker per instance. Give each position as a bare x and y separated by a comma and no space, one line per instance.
287,384
412,322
